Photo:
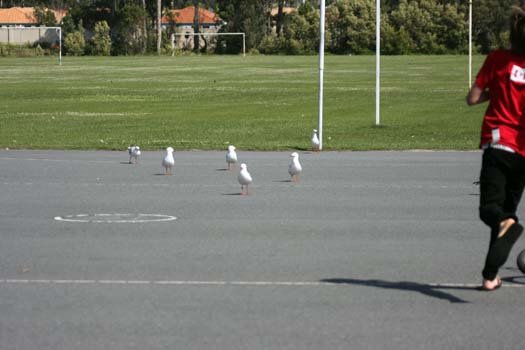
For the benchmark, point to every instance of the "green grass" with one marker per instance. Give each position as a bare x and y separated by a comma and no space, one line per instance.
254,102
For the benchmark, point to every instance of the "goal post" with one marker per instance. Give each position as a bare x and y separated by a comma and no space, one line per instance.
32,35
211,34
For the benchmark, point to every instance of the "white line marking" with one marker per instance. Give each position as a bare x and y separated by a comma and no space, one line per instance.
59,160
115,218
228,283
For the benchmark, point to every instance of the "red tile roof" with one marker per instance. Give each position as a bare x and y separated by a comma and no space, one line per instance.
185,16
24,15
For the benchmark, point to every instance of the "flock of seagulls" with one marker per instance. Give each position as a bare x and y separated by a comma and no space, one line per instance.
244,177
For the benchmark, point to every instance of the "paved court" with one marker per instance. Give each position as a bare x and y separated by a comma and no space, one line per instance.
370,250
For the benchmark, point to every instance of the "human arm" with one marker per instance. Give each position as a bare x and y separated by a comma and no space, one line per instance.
476,95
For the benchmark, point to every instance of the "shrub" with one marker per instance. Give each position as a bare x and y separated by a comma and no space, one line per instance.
75,44
101,41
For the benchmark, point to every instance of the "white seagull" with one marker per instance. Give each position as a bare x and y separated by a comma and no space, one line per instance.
295,168
315,141
168,161
231,156
134,153
244,179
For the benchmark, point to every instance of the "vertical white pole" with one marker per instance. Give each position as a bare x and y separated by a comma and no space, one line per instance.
243,45
59,46
321,73
378,61
469,44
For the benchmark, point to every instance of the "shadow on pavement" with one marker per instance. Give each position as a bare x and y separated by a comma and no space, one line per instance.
425,289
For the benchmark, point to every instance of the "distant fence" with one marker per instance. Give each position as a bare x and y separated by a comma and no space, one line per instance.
29,35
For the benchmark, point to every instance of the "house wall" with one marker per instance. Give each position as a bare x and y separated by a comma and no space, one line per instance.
183,42
31,35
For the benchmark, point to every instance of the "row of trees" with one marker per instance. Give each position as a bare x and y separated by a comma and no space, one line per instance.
408,26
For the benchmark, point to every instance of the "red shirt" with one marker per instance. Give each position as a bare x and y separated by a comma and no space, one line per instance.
503,73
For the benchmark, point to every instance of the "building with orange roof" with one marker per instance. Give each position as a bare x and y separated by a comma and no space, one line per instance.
14,19
24,16
180,24
185,16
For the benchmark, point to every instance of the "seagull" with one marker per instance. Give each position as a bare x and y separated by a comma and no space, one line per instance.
244,179
168,162
134,153
315,141
295,168
231,156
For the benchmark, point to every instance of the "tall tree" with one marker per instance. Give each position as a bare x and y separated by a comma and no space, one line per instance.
196,25
280,18
145,26
159,26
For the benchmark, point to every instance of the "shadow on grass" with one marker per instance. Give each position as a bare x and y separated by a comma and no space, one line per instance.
425,289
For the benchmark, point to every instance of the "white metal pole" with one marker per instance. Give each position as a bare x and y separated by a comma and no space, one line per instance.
378,61
243,45
469,44
59,46
321,73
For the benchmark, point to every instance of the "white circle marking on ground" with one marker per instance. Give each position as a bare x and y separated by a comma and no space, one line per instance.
115,218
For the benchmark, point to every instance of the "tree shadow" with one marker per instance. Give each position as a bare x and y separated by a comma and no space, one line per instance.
425,289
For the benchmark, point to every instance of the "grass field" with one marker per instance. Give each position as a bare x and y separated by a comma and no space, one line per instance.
254,102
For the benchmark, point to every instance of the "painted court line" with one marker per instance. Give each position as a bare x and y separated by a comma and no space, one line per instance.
225,283
58,160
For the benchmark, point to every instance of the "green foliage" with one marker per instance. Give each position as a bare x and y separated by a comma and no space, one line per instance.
302,30
248,16
130,35
45,17
351,24
490,20
101,41
68,24
25,50
75,44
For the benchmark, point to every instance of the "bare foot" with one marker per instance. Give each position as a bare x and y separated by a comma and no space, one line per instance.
491,285
504,226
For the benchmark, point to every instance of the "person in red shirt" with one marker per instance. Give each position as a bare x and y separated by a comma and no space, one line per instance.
501,82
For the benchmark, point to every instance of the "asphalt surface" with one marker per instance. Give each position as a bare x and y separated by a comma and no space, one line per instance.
370,250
